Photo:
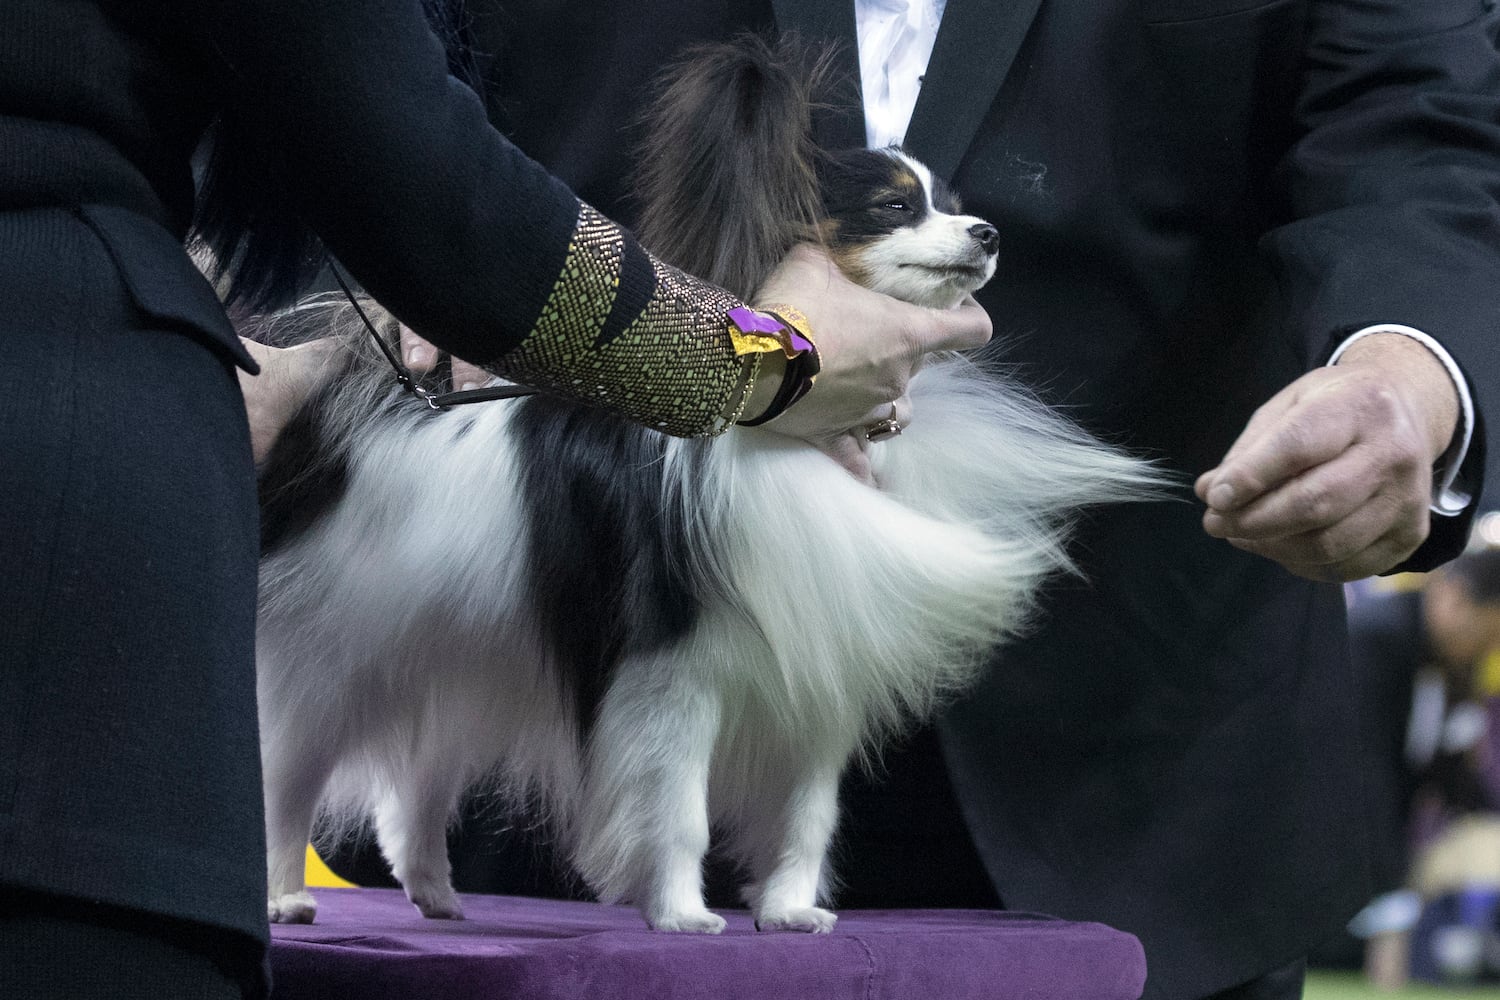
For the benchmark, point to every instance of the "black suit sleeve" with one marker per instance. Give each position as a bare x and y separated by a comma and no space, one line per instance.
396,167
1393,186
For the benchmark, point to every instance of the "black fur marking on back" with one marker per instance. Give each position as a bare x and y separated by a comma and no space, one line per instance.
603,559
301,479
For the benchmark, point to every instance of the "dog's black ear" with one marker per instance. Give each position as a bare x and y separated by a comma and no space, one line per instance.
727,172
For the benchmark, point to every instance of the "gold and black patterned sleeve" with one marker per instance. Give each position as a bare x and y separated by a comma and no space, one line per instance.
627,332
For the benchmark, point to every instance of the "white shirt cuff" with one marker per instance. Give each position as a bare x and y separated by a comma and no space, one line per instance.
1447,499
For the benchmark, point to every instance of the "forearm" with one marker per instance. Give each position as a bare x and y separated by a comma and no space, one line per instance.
625,331
458,233
1392,190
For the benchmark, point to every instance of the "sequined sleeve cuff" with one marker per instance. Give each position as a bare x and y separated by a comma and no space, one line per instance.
624,331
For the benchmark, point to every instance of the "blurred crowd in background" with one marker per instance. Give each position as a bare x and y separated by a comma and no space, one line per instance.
1427,656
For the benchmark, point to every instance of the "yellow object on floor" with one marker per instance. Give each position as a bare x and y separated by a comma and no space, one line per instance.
320,875
1487,683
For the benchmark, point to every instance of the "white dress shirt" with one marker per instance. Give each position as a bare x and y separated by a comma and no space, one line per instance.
895,44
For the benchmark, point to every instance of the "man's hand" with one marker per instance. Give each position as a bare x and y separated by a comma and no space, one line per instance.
1332,477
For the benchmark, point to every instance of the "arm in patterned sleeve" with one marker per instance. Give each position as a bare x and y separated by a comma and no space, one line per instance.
628,332
395,165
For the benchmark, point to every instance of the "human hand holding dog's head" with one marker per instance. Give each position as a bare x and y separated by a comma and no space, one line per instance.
870,346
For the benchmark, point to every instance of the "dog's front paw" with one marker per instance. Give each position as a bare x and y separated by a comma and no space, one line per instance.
810,919
691,922
292,908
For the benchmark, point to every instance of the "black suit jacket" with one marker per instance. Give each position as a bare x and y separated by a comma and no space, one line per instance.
1196,200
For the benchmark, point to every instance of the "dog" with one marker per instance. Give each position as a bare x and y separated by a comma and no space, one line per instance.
645,638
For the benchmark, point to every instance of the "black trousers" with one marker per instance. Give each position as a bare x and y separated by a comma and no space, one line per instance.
54,948
1283,984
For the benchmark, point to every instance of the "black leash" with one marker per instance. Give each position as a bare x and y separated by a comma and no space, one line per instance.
436,400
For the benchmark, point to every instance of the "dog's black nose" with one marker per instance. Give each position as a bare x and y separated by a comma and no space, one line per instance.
987,236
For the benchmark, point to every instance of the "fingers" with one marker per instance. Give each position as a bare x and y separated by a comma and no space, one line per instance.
1298,429
1340,521
962,329
1371,540
870,344
1231,476
467,376
849,451
1332,478
421,356
1324,495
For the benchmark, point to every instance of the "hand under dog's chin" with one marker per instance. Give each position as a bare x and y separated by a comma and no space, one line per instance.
935,288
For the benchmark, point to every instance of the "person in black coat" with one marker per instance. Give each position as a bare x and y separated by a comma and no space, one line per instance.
1199,202
132,856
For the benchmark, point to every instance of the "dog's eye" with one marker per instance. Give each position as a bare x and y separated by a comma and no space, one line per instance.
897,205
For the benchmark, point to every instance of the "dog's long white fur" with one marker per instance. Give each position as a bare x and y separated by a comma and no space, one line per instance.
400,663
403,659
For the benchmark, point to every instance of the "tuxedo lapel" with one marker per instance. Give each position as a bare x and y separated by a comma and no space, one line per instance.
843,125
976,45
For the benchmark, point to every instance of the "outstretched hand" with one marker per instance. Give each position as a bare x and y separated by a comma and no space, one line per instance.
1332,478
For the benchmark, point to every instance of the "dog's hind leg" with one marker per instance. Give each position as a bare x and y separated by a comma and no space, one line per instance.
411,826
643,827
784,837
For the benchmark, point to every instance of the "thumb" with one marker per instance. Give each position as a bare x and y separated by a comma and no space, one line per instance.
846,450
962,328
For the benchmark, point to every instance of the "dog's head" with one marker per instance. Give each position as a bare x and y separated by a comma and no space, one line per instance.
894,227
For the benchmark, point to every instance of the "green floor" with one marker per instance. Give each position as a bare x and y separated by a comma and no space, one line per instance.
1352,986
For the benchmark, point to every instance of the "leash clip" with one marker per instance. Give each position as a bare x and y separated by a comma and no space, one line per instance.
430,398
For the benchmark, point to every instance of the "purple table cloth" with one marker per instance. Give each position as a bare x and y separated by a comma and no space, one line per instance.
371,944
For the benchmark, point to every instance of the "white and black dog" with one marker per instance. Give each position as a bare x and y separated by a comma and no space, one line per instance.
652,638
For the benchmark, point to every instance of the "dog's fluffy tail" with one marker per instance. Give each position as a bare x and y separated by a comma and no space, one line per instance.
729,215
871,611
985,451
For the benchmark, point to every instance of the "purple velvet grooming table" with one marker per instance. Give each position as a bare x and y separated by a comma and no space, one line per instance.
371,944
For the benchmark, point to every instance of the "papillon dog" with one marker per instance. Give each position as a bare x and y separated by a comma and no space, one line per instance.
656,641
